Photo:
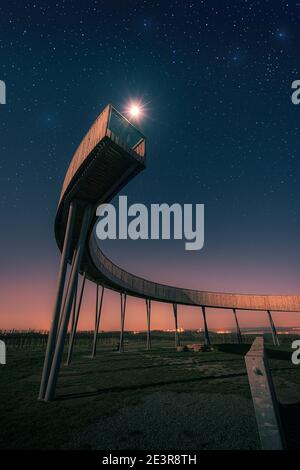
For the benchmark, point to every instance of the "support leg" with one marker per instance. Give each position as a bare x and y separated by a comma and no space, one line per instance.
123,307
66,292
74,308
148,306
206,334
97,302
238,330
57,308
73,333
273,329
177,337
98,315
53,376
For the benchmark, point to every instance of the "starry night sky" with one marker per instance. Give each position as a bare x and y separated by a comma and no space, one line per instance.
216,80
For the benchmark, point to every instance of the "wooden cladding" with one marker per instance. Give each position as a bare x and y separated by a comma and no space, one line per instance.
144,288
96,133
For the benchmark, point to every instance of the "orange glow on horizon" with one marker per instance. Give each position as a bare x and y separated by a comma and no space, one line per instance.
31,307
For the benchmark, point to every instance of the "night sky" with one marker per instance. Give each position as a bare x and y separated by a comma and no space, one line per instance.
215,77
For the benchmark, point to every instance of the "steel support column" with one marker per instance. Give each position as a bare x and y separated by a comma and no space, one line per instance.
97,301
57,308
74,308
148,307
66,290
74,330
177,337
273,329
238,330
123,308
58,353
206,334
97,319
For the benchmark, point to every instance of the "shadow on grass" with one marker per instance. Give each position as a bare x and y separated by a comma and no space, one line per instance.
232,348
112,370
199,359
145,386
290,417
279,354
242,349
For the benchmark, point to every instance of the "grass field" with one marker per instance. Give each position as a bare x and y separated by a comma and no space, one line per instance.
158,399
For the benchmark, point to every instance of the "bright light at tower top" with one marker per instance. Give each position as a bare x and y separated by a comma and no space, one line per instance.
135,110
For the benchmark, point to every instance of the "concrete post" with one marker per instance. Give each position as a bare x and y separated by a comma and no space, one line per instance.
273,329
148,307
206,334
177,337
57,357
73,333
98,315
123,307
57,308
238,331
264,397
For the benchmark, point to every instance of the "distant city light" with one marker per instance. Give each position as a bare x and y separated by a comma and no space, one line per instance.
172,330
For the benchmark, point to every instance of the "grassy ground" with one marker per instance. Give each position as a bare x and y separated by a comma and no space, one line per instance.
123,400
